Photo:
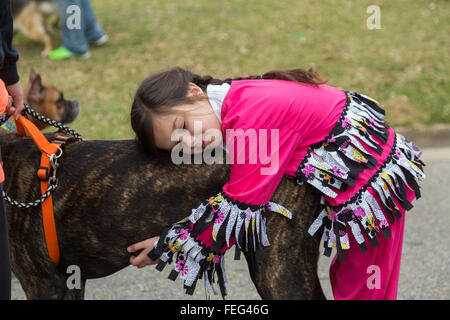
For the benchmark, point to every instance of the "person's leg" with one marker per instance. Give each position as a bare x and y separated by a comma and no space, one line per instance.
92,29
354,278
399,227
5,259
350,278
73,35
392,286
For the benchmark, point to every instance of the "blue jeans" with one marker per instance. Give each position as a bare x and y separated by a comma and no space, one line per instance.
76,37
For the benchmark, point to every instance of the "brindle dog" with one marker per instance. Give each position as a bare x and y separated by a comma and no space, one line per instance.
111,194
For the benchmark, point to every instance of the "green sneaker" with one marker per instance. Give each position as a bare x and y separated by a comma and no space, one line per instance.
64,53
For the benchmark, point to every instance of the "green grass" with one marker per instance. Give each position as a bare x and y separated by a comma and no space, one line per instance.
404,65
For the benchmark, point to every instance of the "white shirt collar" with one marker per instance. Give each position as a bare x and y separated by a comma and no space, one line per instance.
216,94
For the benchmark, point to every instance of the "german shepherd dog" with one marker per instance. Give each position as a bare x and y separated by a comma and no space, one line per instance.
31,17
106,189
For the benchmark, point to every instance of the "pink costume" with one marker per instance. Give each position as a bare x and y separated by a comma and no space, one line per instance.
335,140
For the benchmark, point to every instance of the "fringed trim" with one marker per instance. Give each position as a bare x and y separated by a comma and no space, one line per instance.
229,218
362,212
9,126
337,161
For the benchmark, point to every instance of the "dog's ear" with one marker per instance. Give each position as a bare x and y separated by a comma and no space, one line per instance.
35,92
33,75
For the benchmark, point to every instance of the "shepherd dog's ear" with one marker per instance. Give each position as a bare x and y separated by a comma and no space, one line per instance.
35,83
33,75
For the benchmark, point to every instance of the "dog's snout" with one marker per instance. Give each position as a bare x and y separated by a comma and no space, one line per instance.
71,111
74,103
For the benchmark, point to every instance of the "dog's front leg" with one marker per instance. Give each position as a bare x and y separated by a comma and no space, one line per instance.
54,287
288,268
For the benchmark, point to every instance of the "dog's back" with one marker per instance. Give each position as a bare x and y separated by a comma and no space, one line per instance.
17,6
44,6
110,194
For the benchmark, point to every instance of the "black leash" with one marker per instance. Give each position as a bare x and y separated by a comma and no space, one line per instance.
52,182
40,117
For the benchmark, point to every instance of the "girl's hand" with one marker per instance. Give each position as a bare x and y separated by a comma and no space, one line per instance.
142,259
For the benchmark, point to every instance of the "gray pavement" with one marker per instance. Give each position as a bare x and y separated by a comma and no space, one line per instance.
425,259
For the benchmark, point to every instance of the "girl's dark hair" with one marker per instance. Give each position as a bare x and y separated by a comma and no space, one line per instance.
169,88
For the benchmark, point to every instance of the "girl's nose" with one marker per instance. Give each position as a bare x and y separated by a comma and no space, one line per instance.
195,142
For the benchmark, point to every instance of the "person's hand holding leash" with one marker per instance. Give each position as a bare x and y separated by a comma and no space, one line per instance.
16,95
9,103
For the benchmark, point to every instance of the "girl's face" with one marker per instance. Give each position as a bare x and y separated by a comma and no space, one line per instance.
196,125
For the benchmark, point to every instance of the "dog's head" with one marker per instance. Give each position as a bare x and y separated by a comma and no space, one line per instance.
49,101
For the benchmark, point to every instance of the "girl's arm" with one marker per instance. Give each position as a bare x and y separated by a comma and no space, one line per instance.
236,215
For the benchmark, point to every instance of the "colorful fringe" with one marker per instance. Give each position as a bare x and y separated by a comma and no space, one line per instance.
228,221
9,126
336,162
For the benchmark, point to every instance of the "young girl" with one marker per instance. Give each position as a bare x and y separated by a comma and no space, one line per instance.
335,140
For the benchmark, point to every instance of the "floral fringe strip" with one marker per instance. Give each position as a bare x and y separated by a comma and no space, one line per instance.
340,157
231,221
